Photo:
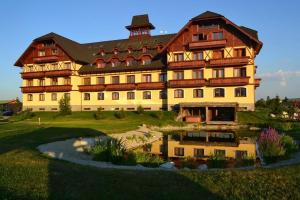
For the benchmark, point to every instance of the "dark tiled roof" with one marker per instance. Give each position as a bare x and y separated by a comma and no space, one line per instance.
207,14
140,21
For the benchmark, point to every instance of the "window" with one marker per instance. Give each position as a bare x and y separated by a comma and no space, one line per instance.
100,80
116,51
54,96
29,97
240,154
54,81
198,93
198,55
220,153
115,79
130,79
198,74
146,78
146,95
179,75
179,93
115,63
241,52
42,97
218,54
67,65
144,49
100,96
201,36
87,96
162,94
240,92
163,77
146,61
87,81
219,92
218,73
179,151
129,62
30,82
178,57
67,81
115,96
217,35
100,64
130,95
41,82
198,153
54,66
240,72
67,96
41,53
54,51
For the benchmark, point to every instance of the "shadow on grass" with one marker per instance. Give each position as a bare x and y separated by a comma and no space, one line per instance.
28,175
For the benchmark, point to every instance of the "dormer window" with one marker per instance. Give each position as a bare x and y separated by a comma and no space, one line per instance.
100,64
115,63
102,53
115,51
144,49
41,53
129,50
146,61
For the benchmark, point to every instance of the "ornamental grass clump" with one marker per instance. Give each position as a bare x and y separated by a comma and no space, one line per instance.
270,145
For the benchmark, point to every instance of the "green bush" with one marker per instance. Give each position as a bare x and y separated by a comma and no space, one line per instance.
289,145
188,163
64,106
120,114
26,114
99,114
216,161
147,159
140,110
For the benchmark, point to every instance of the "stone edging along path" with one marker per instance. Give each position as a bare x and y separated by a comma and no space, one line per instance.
72,150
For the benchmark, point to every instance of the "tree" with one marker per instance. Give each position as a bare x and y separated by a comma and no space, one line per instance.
64,106
260,103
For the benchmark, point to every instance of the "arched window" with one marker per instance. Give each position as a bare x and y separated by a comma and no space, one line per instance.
240,92
146,95
198,93
219,92
115,63
144,49
179,93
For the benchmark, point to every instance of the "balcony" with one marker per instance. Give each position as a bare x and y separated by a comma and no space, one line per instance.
151,86
42,59
57,73
120,87
58,88
31,75
187,64
33,89
232,81
207,44
91,88
187,83
257,82
229,61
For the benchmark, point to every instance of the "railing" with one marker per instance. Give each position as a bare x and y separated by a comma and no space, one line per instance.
186,64
56,73
58,88
257,82
207,44
229,61
49,58
151,86
29,75
232,81
120,87
187,83
33,89
91,88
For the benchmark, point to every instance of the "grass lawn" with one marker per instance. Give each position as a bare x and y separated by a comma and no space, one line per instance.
26,174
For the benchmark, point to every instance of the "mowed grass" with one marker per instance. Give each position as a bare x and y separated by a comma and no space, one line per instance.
27,174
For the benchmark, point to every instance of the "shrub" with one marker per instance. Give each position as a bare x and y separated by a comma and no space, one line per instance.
26,114
270,145
245,161
188,163
147,159
289,144
64,106
140,110
286,126
216,161
120,114
99,114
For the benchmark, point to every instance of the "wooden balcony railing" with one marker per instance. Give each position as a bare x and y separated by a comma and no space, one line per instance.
120,87
91,88
257,82
232,81
151,86
186,64
56,73
29,75
229,61
207,44
42,59
58,88
33,89
187,83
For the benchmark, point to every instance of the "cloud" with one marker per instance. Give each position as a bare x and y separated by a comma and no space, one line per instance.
281,75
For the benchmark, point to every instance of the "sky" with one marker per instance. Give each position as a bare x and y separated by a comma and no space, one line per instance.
277,22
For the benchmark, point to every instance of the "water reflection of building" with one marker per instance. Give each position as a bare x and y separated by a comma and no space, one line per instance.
203,145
